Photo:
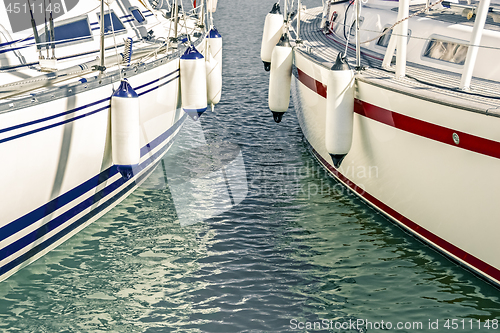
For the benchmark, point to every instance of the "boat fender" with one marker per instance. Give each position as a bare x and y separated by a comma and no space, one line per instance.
273,28
214,39
280,78
125,129
339,110
211,6
214,80
214,70
193,76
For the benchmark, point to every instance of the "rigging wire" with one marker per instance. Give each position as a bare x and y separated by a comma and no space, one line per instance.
345,18
114,41
35,32
47,37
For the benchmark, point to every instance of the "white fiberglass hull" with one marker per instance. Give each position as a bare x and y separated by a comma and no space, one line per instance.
405,162
57,176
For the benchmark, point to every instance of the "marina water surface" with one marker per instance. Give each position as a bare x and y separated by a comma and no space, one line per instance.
291,251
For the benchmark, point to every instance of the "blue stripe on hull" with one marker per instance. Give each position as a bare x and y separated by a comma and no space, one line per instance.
57,203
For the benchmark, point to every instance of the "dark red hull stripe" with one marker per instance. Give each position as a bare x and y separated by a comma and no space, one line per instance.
471,260
312,84
412,125
425,129
428,130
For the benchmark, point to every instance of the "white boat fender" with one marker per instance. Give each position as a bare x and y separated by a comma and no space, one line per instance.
339,110
273,28
125,129
214,39
214,66
193,76
214,80
211,6
280,78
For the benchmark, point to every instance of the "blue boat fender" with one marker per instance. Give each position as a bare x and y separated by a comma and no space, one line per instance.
125,129
193,77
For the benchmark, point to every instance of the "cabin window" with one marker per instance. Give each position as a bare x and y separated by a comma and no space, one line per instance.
352,32
446,51
117,23
71,31
138,15
384,40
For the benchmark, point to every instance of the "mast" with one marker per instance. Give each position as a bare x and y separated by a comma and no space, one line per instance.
284,11
52,33
358,47
176,18
102,68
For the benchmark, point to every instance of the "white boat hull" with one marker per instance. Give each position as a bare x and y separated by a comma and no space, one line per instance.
405,163
58,177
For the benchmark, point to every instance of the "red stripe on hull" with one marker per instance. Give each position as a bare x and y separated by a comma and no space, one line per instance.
312,83
412,125
427,130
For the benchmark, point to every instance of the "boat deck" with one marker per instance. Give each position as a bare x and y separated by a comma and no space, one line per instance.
426,82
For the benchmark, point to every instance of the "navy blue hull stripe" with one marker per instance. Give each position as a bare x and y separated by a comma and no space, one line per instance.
16,48
77,117
53,125
47,209
63,218
16,41
3,130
